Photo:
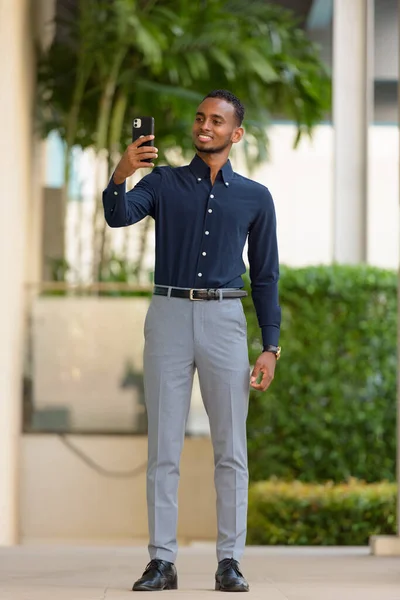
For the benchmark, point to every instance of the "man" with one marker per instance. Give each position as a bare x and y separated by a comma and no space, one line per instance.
203,212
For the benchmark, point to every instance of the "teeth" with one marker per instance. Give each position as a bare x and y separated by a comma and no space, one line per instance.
204,137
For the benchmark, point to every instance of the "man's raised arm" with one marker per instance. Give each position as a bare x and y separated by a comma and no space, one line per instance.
122,208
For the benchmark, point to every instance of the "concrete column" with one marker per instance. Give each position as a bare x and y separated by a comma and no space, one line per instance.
352,107
20,216
16,54
390,545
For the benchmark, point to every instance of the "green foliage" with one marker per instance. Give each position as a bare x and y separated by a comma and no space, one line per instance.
119,270
112,61
309,514
330,413
115,60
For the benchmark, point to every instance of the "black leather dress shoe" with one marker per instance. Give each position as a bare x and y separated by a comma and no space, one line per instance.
158,575
228,577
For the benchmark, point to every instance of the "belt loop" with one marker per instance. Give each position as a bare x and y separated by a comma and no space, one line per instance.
220,295
169,292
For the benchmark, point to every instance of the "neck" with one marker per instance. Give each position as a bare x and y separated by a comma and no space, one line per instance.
214,161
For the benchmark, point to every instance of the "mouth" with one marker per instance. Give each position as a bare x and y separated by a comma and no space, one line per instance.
204,138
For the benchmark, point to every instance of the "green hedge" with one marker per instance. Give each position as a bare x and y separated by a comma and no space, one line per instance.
311,514
330,413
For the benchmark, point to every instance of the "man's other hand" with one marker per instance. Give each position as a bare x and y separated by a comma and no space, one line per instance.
265,366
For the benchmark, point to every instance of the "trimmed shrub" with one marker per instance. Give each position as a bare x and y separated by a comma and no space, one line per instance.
282,513
330,413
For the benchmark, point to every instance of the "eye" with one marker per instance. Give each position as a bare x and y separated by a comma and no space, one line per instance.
198,119
217,122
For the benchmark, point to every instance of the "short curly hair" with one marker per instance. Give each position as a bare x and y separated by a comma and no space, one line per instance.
232,99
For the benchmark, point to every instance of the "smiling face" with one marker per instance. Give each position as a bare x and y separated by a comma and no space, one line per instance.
215,127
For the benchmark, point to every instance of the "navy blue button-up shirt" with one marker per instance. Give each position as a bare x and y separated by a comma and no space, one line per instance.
201,231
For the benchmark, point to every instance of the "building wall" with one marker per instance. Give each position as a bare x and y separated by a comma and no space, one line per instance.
85,367
386,61
301,182
65,500
386,30
386,40
16,102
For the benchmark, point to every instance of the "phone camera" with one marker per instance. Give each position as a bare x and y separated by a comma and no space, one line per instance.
137,123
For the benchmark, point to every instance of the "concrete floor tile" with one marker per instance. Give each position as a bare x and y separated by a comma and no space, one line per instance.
256,593
48,592
358,593
107,573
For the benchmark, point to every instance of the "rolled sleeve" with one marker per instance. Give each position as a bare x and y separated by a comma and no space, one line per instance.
264,271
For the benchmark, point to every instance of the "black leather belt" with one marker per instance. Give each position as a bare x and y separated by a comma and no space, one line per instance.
199,294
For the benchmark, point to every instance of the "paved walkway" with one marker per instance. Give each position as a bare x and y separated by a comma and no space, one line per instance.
104,573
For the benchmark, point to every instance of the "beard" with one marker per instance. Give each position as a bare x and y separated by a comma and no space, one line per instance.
214,150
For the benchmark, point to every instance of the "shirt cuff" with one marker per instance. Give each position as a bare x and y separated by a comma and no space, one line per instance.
270,335
116,189
114,204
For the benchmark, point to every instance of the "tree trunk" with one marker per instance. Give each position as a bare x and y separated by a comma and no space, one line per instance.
116,125
103,127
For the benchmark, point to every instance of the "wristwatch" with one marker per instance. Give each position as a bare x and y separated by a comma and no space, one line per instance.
274,349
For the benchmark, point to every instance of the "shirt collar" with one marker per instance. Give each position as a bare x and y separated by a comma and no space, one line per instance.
202,171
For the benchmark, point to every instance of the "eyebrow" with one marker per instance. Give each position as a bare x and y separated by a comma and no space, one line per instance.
214,115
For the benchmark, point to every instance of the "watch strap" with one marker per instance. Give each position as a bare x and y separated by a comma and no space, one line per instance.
274,349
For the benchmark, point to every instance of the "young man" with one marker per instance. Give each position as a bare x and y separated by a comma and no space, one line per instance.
203,213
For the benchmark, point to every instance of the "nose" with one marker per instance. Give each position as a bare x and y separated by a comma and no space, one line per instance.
206,126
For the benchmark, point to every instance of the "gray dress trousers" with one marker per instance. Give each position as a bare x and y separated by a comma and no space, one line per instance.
210,336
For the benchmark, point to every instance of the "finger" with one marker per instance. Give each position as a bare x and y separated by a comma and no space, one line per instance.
145,149
255,374
266,381
263,385
257,387
145,155
144,165
142,139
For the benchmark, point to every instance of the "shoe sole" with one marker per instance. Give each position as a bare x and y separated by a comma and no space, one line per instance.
144,588
219,588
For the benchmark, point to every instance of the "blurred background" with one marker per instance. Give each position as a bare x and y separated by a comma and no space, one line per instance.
319,79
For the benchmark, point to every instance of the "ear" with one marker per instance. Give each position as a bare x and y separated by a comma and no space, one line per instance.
237,135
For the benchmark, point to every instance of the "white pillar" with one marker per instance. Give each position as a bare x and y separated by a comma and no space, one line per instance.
398,312
390,545
15,147
352,106
21,23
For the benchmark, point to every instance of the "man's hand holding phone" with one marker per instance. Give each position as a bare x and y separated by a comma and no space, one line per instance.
134,157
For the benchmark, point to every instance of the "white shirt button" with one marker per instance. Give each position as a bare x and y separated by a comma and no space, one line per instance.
210,210
200,274
226,183
204,253
212,196
207,232
115,193
199,179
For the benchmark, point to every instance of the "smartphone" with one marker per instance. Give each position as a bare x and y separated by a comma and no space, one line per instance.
143,126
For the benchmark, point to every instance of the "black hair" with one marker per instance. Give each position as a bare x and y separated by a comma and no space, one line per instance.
232,99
